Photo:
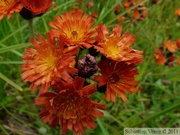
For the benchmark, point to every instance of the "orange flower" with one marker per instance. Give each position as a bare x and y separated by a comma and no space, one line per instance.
70,106
37,6
178,42
117,47
179,61
74,29
47,62
94,14
144,13
119,78
127,4
117,9
171,46
177,12
8,7
136,13
159,57
121,19
89,4
170,59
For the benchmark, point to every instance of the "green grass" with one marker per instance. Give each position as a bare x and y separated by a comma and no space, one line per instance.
156,105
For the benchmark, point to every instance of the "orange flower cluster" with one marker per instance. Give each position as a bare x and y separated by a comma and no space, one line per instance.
165,54
118,67
27,8
88,5
54,66
138,13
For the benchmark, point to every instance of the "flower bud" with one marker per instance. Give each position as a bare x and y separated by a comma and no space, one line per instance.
87,66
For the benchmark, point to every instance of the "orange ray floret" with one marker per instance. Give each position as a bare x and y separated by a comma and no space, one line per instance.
159,57
117,47
37,6
171,46
8,7
70,106
74,28
119,79
47,62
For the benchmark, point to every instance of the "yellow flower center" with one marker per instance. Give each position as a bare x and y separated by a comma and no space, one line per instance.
49,61
111,47
75,34
5,4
